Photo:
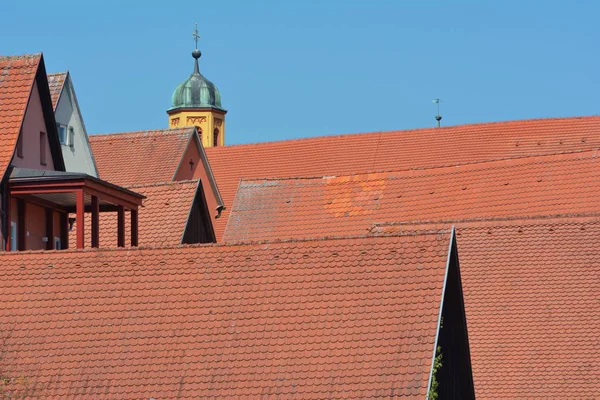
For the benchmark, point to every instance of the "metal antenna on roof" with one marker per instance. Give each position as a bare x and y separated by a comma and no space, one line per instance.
438,117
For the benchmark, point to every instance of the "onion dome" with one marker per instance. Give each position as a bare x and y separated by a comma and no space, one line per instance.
196,91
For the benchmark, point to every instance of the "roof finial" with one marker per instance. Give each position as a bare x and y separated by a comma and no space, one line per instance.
196,53
438,117
195,35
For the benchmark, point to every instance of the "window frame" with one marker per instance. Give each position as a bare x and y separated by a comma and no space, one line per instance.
66,137
216,135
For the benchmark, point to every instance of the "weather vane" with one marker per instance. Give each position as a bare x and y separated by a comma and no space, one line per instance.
195,35
438,117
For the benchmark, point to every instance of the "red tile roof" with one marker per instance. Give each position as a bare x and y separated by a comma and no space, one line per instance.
140,158
532,303
162,218
384,151
345,318
17,75
269,209
56,82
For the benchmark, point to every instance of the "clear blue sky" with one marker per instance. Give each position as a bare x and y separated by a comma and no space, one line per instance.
289,69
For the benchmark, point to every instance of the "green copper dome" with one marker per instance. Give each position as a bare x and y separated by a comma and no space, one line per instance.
196,91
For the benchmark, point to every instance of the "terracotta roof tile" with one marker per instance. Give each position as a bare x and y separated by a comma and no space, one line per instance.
162,218
56,82
17,74
269,209
384,151
532,305
259,320
140,158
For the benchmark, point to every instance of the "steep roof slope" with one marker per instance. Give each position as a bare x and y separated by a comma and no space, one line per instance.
532,303
345,318
268,209
162,218
140,158
56,83
531,292
383,151
17,75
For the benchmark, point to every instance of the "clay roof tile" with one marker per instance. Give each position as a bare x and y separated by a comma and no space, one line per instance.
396,150
140,158
229,323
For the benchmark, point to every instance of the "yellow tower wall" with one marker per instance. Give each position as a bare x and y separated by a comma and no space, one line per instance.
206,119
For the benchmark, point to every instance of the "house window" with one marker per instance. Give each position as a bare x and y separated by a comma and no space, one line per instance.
57,243
13,236
62,133
216,137
20,146
43,148
71,136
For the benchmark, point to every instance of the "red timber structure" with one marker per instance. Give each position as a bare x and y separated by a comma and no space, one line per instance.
65,193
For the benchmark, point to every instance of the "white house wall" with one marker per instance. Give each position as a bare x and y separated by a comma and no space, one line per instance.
78,158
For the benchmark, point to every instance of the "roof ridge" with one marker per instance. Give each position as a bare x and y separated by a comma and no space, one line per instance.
149,132
569,155
428,129
172,183
555,219
232,244
21,56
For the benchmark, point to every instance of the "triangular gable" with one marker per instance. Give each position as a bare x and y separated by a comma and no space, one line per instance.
140,158
173,213
38,117
451,376
199,226
194,165
78,156
17,77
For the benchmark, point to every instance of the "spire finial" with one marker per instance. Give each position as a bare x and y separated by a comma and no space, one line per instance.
196,53
195,35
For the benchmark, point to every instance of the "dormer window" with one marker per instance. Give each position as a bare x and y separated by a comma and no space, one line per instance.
43,148
62,133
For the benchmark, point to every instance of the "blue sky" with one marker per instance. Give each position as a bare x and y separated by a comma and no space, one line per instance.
289,69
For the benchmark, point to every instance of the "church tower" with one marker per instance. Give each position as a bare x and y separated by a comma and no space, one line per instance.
197,102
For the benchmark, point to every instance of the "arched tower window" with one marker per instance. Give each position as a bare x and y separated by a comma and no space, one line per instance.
199,133
216,137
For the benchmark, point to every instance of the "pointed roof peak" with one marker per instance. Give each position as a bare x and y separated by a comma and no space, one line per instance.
196,53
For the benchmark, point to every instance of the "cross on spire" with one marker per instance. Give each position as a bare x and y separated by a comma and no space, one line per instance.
195,35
